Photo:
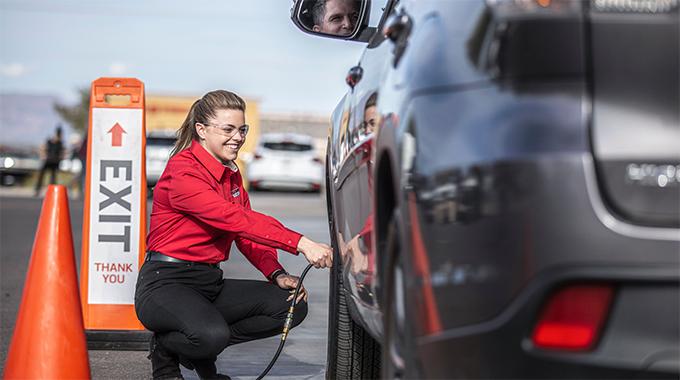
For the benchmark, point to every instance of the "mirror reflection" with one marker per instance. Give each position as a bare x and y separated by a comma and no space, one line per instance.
336,17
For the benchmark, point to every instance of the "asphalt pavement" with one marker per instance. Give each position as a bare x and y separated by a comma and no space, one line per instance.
304,355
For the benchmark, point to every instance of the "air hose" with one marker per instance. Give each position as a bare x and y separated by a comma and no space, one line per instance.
287,325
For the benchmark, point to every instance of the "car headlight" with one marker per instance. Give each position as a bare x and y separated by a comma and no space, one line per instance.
8,162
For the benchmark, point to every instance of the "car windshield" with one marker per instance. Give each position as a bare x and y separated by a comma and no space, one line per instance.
160,141
287,146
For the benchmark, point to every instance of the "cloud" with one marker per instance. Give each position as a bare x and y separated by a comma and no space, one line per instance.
117,68
13,70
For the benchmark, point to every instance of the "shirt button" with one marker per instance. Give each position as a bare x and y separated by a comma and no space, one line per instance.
290,242
267,236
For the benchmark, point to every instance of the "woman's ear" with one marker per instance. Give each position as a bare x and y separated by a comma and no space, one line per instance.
200,130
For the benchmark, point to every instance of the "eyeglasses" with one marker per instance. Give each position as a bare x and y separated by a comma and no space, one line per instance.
366,124
228,129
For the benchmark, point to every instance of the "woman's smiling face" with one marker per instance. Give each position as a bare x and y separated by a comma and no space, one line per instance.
224,147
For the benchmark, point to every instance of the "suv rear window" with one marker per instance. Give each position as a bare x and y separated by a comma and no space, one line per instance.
287,146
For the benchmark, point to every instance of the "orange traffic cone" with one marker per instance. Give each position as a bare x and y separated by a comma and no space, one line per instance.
49,337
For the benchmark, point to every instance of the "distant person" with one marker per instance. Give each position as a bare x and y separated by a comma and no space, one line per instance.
337,17
79,152
200,208
51,153
82,156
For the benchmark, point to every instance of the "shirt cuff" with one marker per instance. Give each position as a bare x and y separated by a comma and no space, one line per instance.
292,241
269,267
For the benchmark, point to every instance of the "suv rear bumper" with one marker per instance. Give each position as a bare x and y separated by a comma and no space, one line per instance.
640,339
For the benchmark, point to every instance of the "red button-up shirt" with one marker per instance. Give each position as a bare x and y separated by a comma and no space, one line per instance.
200,207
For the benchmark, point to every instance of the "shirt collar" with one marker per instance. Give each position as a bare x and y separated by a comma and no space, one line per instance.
231,165
215,168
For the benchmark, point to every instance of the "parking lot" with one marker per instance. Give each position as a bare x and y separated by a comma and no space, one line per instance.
304,355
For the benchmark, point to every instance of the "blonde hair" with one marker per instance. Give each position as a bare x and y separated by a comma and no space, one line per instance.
201,111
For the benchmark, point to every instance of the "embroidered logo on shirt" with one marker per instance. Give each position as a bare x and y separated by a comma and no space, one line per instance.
235,193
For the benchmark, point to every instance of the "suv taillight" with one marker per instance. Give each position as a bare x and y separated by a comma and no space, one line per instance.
573,317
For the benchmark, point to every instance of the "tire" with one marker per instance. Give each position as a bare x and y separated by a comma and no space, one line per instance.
398,360
352,352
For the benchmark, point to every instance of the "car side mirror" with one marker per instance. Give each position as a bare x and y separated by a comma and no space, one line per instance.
344,19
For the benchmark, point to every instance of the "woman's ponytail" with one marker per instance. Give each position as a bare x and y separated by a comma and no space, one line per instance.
187,132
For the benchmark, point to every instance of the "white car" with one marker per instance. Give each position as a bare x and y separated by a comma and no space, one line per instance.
285,161
159,144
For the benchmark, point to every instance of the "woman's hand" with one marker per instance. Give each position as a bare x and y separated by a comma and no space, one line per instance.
318,254
286,281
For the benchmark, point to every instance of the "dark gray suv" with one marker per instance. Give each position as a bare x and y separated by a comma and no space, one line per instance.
503,185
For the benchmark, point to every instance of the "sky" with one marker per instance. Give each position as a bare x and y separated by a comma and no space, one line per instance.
176,47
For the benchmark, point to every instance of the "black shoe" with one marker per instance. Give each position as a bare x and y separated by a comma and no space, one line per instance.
205,368
165,364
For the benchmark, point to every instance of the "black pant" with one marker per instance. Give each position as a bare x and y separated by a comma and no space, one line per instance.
52,167
196,313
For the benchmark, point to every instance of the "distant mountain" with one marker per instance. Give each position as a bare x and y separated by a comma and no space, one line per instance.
28,120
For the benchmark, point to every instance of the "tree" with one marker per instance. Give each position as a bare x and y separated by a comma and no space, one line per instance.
78,115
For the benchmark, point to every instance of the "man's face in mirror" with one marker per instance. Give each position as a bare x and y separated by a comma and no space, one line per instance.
339,17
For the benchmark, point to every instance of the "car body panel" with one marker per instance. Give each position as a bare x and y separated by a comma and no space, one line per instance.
637,53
